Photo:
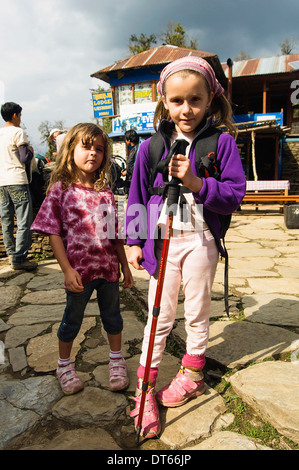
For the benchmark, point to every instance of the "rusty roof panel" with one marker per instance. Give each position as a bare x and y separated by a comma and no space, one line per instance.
264,66
292,62
268,65
249,67
155,56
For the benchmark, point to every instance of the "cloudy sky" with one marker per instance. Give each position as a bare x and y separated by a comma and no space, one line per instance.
49,48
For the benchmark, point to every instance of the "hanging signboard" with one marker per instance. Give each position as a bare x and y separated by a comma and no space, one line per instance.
138,117
102,104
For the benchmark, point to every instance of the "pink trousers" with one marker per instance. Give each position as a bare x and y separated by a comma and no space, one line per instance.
192,259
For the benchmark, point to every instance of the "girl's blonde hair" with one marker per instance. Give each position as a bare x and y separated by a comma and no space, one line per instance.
220,111
66,171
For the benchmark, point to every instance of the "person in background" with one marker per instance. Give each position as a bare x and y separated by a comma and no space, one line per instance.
132,140
16,159
58,136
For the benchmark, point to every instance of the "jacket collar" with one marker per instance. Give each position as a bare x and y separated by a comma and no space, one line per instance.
167,127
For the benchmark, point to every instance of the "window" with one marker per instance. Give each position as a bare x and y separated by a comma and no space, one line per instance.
125,95
295,112
142,92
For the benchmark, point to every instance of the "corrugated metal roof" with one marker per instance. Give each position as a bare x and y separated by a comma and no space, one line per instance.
264,65
158,55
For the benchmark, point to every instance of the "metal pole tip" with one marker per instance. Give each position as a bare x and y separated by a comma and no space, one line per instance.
138,430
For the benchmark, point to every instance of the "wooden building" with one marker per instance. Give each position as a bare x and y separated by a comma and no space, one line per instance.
266,85
264,94
133,82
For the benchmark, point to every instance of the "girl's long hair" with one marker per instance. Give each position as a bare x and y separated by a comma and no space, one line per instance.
66,171
220,112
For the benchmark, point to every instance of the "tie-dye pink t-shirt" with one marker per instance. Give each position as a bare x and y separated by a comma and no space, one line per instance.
87,222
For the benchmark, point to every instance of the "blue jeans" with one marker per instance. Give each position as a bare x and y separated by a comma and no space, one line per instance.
16,199
108,302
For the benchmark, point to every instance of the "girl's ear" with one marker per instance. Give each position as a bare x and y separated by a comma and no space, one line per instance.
211,99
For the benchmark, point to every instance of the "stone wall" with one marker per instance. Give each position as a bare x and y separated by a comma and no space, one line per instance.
40,246
290,165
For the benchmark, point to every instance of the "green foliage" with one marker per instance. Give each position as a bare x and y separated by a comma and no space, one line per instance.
143,43
174,35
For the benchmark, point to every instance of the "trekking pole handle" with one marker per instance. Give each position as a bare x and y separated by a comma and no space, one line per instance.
179,147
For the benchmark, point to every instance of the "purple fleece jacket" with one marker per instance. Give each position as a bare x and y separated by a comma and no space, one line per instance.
217,197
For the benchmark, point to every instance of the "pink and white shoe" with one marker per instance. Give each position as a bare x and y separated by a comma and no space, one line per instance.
118,375
181,388
69,380
150,426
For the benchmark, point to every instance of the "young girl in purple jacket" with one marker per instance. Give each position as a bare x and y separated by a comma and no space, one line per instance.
191,100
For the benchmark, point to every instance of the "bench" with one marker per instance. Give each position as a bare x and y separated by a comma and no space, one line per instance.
276,191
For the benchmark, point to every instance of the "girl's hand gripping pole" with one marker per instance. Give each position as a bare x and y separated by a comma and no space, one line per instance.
173,192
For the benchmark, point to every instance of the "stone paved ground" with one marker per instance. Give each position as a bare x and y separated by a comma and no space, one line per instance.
252,358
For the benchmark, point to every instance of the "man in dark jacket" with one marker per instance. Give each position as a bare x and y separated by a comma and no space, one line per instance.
132,141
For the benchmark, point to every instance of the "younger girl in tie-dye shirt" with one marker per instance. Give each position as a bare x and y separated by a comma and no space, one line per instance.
79,215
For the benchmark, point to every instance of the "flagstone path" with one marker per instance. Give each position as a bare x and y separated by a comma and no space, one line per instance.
256,352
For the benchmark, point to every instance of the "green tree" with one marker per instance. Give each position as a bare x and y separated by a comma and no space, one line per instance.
176,35
143,43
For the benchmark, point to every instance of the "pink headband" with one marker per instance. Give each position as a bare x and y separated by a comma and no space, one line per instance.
191,63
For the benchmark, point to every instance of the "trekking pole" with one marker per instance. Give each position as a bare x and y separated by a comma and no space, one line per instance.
173,192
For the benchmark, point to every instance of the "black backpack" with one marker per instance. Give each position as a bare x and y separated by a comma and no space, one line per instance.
206,166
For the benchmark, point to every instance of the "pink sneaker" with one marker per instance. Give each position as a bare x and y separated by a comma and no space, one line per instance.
69,380
150,426
118,375
181,389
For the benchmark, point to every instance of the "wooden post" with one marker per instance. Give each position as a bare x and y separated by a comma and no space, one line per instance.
114,99
253,155
230,81
154,91
276,157
264,97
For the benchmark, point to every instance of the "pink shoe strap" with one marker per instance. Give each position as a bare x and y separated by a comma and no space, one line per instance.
182,384
118,373
148,407
68,374
117,369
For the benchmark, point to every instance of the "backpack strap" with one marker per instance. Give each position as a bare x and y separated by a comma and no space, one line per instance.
205,153
156,150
